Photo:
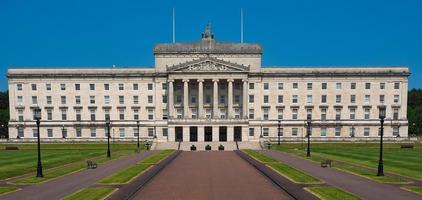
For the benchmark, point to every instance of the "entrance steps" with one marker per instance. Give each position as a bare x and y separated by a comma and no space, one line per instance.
200,146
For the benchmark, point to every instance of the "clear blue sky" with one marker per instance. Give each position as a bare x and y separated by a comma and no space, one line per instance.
296,32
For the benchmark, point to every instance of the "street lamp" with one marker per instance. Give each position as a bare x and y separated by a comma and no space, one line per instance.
37,117
108,137
382,109
137,124
308,134
279,124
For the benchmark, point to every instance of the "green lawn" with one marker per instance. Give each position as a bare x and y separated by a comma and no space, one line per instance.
416,189
405,162
127,174
90,194
5,190
331,193
285,170
19,162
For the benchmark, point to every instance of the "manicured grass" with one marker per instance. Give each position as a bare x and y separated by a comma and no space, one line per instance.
156,158
293,174
24,160
260,157
405,162
285,170
416,189
125,175
90,194
331,193
5,190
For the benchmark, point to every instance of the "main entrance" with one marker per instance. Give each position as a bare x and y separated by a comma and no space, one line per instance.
193,134
179,134
222,134
208,134
237,133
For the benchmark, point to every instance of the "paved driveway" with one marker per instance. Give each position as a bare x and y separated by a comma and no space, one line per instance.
210,175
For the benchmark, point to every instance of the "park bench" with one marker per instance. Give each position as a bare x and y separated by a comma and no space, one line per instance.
406,146
11,148
91,165
326,163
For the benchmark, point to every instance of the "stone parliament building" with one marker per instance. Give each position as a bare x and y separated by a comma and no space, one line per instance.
208,90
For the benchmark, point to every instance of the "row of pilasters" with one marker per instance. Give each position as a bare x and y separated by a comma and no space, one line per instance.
215,103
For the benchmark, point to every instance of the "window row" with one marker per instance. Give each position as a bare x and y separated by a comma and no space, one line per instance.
324,86
92,86
323,132
338,99
91,100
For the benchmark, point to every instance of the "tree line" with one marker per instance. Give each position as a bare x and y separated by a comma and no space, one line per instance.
414,112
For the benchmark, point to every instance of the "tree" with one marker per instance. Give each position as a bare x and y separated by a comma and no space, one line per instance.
414,111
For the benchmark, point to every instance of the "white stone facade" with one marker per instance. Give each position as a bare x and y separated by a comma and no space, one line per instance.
208,91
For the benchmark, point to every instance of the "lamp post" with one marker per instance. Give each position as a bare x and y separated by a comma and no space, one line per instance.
137,124
37,117
279,124
308,134
108,137
382,109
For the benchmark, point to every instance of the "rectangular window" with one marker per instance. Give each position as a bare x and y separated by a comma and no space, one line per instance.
164,86
353,86
280,113
251,113
92,99
251,86
338,98
164,98
20,115
63,99
251,98
308,98
366,132
396,86
34,100
19,87
49,115
396,131
395,114
193,99
122,114
366,113
49,100
294,113
107,114
266,98
121,86
338,86
266,86
93,132
77,100
251,132
64,132
382,99
121,100
20,132
222,99
295,85
150,99
34,133
106,99
78,132
92,86
77,86
294,131
323,132
34,87
352,98
106,86
352,113
208,99
165,132
135,86
265,112
92,111
396,98
265,132
294,99
309,113
367,99
78,115
280,99
337,132
280,86
49,132
122,133
151,132
63,87
150,114
135,132
20,100
149,86
64,114
367,86
135,114
323,114
280,131
309,86
222,113
237,99
382,86
338,113
324,98
323,86
208,113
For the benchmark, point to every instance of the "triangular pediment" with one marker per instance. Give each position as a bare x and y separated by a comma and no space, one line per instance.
208,64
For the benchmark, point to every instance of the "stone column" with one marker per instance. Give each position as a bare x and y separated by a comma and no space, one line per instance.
245,99
200,98
185,98
171,99
215,99
230,99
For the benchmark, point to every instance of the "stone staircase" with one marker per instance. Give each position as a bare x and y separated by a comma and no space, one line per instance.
200,146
